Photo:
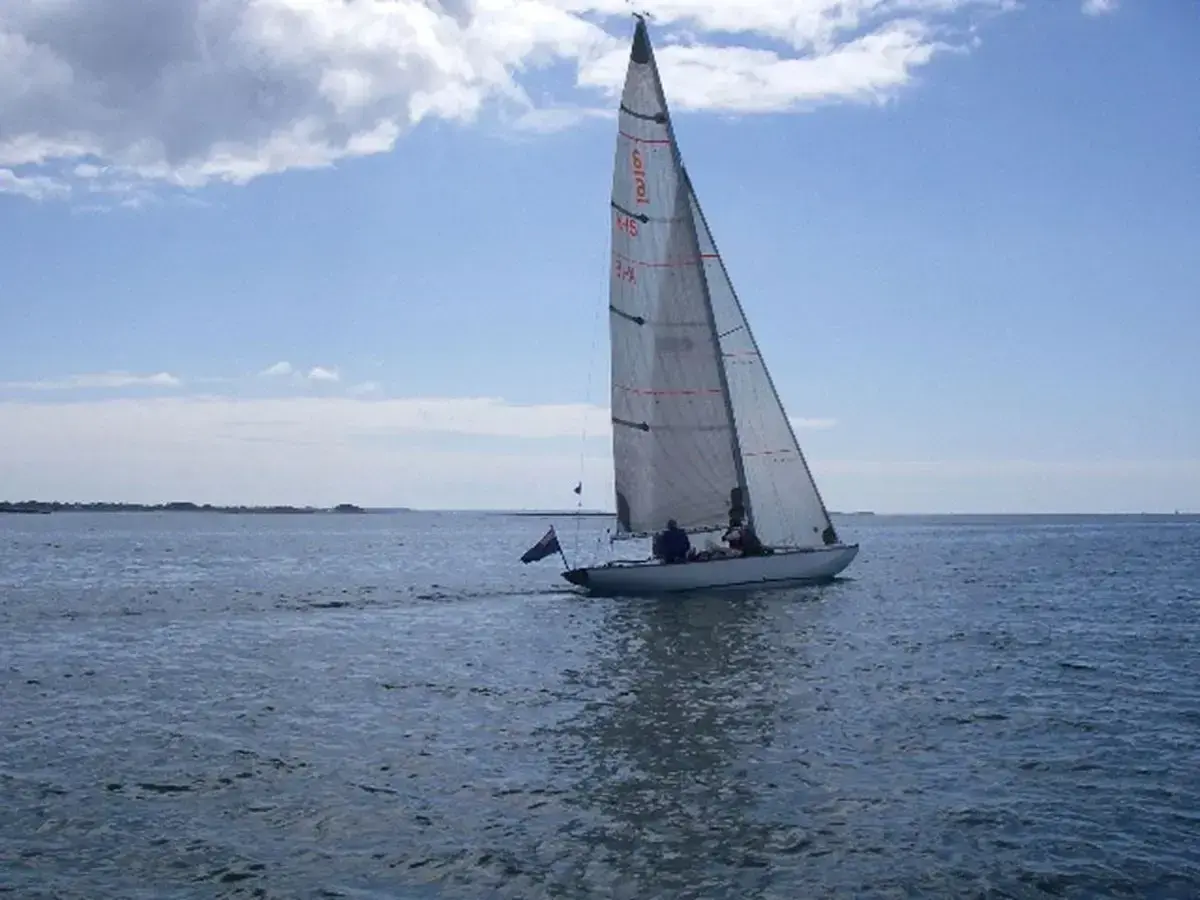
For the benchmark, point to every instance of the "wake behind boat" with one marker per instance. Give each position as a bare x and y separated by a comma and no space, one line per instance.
700,436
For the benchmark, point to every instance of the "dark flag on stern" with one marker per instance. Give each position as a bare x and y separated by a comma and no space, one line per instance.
547,546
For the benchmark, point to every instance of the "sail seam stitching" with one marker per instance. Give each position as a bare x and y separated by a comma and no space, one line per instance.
682,392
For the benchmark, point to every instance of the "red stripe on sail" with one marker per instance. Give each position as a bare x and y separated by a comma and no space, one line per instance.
665,265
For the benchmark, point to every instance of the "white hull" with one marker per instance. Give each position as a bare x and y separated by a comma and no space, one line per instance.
782,568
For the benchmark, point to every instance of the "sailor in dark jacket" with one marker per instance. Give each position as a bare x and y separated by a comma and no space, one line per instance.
672,545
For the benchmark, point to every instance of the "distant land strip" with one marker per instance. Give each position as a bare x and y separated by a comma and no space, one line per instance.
54,506
43,507
587,513
593,513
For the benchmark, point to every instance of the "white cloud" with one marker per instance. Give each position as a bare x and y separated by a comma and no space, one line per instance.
557,118
744,79
1011,485
362,411
811,424
474,452
278,369
35,187
303,449
1099,7
282,373
987,468
417,451
95,381
284,369
320,373
115,94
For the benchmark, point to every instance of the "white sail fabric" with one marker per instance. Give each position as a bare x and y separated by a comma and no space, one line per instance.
785,506
673,439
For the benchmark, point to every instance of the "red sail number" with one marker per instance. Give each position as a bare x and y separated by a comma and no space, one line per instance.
641,193
625,272
627,225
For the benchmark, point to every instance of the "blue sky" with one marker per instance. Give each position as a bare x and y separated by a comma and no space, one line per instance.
973,271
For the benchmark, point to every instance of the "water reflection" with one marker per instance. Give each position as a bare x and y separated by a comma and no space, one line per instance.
663,760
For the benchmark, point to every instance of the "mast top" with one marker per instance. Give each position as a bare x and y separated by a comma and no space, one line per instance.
640,53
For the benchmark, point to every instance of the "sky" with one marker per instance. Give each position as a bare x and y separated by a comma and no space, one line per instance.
324,251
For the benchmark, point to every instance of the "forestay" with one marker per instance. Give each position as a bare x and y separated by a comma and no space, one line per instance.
673,438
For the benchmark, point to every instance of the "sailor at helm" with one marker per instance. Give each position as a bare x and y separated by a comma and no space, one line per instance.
672,545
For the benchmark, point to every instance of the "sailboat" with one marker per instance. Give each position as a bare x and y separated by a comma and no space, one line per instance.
699,433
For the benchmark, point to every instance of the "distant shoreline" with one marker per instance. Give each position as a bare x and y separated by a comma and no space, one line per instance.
585,514
44,507
594,514
40,507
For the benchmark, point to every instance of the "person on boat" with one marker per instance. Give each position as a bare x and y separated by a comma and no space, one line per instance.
829,535
751,545
672,545
733,534
737,509
743,539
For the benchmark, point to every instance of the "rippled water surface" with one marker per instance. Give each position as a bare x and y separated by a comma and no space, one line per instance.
378,706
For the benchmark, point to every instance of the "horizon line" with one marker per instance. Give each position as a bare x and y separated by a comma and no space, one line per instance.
192,506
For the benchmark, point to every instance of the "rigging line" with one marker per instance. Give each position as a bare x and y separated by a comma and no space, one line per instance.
583,431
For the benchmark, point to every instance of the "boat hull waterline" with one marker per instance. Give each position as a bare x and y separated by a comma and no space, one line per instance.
782,568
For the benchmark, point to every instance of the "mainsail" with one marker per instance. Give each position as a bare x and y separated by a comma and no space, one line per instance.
697,425
673,436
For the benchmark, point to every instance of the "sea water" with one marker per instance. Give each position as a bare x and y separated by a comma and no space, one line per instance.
392,706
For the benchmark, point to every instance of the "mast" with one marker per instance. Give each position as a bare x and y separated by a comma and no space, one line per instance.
643,52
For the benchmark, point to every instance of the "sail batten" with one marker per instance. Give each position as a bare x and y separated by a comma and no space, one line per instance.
659,117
